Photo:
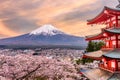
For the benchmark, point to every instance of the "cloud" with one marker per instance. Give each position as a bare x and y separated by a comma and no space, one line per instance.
20,24
22,16
5,31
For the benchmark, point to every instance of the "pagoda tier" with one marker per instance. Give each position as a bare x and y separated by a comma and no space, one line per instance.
110,36
105,33
96,55
113,31
100,74
108,16
109,55
95,37
111,61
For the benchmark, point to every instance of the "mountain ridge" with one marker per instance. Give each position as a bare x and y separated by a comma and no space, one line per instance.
46,35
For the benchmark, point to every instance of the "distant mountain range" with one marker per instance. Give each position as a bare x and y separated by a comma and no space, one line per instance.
45,36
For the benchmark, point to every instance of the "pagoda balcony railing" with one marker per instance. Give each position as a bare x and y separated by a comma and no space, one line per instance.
104,48
113,70
107,48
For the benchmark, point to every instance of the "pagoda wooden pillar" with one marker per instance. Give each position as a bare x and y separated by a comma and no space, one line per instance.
110,23
116,63
116,41
116,21
110,42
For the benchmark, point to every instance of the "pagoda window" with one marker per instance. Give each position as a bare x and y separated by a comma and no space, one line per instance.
103,59
114,22
113,18
113,64
114,42
107,25
119,64
105,63
118,17
108,38
114,25
108,20
119,44
107,44
113,38
119,37
118,22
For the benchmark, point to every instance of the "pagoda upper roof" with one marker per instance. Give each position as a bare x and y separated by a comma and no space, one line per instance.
108,32
106,13
113,54
113,30
95,37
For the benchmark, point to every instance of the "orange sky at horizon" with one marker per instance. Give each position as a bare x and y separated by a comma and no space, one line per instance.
23,16
6,31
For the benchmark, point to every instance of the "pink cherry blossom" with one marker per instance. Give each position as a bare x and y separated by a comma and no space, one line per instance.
29,67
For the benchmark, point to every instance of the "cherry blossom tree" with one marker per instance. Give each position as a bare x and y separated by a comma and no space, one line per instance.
29,67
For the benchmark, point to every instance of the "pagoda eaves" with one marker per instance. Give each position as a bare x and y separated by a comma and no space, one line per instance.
104,34
95,37
113,30
110,35
106,14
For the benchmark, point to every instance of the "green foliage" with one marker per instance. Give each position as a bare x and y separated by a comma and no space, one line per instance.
94,46
84,60
78,61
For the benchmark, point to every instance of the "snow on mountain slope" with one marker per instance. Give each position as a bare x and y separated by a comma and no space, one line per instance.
46,35
46,30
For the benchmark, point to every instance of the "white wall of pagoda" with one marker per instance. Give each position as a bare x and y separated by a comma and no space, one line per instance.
113,22
112,41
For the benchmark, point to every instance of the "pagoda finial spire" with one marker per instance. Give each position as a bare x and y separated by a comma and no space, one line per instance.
118,6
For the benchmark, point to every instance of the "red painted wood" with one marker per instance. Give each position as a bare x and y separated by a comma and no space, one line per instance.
109,17
108,64
116,41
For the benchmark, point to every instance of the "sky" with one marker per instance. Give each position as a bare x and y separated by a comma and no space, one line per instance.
18,17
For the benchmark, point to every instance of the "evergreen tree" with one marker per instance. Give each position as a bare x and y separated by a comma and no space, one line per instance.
90,47
94,46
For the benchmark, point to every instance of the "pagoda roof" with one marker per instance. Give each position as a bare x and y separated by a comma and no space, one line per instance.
113,54
113,30
100,74
108,53
109,31
97,74
104,15
115,76
95,54
95,37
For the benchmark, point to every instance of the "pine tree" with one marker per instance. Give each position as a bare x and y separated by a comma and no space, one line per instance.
90,47
94,46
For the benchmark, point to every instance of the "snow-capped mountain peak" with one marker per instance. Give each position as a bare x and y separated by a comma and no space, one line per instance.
46,30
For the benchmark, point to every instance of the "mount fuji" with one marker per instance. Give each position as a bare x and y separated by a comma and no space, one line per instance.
45,36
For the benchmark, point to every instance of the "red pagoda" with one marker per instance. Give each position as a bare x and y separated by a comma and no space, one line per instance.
109,55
